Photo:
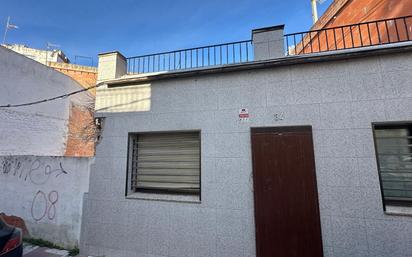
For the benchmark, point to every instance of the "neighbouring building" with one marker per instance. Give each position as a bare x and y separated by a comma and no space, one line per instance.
41,179
84,75
82,137
345,12
355,23
238,150
39,55
49,128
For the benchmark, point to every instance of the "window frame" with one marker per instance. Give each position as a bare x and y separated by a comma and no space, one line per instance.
158,194
389,124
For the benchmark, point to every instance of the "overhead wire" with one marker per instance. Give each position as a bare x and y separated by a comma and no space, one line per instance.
50,99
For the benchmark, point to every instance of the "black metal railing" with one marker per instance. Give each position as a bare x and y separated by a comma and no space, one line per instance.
350,36
221,54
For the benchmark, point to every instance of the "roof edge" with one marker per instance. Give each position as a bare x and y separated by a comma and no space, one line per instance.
112,52
288,60
265,29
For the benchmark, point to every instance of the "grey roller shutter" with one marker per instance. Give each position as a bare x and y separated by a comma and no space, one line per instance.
168,162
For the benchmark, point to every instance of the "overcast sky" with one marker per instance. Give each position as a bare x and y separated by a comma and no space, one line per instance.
135,27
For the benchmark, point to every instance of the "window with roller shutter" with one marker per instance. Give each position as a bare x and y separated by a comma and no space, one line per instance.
165,162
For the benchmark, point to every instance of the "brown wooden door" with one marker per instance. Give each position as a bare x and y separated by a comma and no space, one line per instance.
286,201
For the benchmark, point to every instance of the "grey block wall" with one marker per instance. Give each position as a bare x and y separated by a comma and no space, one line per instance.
339,99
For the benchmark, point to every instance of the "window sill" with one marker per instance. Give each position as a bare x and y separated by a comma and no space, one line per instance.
164,197
398,210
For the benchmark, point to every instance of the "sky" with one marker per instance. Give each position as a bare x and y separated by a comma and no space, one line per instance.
136,27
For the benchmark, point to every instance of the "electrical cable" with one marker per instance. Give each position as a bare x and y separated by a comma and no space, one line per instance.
50,99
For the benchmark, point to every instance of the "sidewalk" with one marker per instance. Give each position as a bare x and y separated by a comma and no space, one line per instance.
37,251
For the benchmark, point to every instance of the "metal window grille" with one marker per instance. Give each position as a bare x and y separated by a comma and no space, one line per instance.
394,155
165,162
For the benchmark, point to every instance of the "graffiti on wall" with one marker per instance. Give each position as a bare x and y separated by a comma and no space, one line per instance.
43,206
36,173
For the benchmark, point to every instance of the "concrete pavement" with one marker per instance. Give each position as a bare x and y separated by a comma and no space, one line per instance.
36,251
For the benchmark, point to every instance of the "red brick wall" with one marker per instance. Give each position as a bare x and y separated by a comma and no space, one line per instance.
84,75
346,12
357,11
81,137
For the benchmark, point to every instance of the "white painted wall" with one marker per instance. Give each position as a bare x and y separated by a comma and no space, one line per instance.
38,129
47,193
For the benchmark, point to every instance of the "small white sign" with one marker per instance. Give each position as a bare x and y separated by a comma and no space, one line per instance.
243,114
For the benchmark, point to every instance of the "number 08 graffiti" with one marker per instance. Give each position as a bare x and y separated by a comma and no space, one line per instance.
43,205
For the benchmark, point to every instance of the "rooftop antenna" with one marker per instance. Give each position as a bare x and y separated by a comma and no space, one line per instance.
52,46
315,9
8,26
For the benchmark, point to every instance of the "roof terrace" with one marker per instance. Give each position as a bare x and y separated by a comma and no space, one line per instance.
271,43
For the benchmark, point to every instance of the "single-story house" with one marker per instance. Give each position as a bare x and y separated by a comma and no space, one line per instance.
238,150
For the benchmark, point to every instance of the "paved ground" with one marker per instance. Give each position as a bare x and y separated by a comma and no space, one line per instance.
36,251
